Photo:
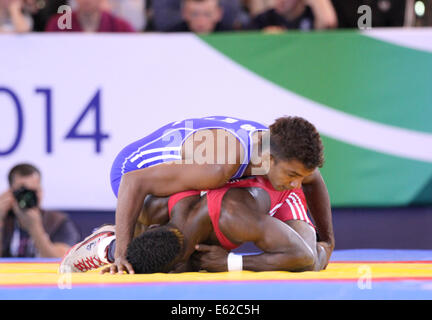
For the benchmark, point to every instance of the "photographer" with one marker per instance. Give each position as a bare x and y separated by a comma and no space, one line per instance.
26,230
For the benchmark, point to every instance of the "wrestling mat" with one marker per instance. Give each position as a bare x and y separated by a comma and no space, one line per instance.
352,274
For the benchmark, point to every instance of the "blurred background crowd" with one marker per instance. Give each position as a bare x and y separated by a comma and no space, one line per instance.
206,16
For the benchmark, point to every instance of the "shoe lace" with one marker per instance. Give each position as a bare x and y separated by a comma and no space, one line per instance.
89,263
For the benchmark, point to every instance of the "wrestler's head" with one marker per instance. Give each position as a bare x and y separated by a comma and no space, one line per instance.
296,150
155,250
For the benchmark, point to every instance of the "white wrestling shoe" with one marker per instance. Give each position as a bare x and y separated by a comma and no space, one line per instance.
89,254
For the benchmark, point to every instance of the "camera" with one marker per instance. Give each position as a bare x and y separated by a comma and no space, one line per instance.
25,198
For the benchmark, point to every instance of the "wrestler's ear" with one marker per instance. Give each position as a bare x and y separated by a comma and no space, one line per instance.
272,159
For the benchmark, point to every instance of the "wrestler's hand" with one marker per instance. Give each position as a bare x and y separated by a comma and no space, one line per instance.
119,266
211,258
328,249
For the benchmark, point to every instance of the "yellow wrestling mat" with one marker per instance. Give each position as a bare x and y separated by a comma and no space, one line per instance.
38,279
35,274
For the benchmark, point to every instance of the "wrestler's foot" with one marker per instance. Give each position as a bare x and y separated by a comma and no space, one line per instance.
89,254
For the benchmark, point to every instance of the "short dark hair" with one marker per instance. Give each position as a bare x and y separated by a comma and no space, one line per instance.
155,249
22,169
296,138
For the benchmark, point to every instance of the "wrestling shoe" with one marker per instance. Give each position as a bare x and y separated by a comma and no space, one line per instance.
89,254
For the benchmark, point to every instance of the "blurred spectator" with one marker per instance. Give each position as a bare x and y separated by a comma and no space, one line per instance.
385,13
12,17
418,13
200,16
133,11
167,15
26,230
255,7
285,14
324,13
42,10
89,16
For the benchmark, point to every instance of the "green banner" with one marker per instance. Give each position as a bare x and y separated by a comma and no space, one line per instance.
379,82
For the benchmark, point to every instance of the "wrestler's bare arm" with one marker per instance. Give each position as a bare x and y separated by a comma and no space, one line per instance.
241,221
318,202
161,180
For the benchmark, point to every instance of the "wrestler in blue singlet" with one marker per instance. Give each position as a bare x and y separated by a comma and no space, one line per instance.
165,144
